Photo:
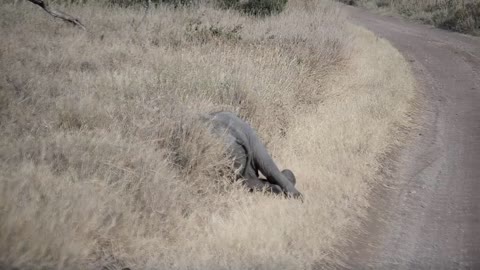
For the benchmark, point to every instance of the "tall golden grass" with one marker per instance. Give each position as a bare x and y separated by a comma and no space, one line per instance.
103,165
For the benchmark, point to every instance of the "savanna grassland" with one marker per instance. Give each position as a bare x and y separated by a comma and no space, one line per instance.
103,164
457,15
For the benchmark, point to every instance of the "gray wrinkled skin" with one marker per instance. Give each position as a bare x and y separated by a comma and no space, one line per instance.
250,155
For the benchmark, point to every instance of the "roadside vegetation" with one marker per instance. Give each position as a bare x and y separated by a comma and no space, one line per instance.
457,15
103,164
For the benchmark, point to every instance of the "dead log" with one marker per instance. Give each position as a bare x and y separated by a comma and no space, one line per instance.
58,14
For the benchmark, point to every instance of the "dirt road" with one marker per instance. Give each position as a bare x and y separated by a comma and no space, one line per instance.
429,218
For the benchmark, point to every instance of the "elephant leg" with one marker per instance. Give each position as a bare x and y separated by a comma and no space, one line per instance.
256,184
289,175
250,174
240,159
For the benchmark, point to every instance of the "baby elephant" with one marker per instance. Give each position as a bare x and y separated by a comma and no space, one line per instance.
250,156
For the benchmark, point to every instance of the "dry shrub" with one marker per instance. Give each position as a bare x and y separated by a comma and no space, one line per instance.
103,162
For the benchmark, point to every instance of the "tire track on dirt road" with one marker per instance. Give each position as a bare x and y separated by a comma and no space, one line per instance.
430,219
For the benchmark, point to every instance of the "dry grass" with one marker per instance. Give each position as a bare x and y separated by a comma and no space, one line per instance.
102,163
457,15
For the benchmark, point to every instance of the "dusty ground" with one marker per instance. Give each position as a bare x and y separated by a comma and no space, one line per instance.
428,217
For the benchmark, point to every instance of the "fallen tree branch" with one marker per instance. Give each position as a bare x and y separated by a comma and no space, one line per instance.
58,14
